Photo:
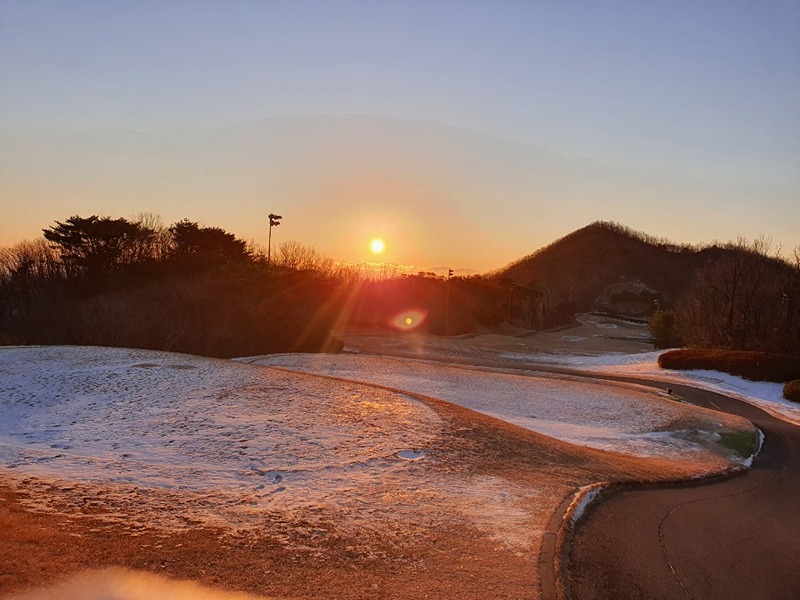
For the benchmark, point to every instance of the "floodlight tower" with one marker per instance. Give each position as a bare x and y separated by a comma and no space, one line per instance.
447,302
274,221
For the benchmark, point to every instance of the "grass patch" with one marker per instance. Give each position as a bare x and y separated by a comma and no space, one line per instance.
791,391
756,366
742,443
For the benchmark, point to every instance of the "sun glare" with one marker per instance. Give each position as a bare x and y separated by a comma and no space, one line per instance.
377,246
409,319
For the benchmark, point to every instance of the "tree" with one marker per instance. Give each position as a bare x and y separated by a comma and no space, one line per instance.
206,245
745,300
787,326
29,262
152,241
662,329
95,245
294,255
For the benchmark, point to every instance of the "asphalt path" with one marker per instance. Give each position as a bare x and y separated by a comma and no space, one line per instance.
731,538
723,538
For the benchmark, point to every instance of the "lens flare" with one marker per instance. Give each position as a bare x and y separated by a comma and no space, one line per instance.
409,320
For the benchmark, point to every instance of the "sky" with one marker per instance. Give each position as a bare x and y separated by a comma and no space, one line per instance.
466,134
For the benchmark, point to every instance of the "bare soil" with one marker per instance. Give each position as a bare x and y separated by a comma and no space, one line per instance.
455,562
449,562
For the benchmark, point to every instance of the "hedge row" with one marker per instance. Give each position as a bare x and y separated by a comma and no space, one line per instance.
756,366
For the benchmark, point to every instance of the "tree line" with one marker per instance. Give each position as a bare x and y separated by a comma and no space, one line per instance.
120,282
186,287
100,280
745,299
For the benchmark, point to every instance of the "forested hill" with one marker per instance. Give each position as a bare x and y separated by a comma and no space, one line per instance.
583,264
191,288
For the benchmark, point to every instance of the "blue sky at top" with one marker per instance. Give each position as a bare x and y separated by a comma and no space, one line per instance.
706,90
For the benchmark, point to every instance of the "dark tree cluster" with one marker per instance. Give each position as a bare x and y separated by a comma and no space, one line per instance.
434,304
119,282
190,288
746,299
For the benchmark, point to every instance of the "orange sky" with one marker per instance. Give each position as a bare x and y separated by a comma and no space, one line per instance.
468,134
440,196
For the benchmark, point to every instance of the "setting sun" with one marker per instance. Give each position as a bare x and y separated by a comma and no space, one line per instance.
377,246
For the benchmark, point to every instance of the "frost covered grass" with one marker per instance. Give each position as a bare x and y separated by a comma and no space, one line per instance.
280,468
225,444
765,395
402,486
630,419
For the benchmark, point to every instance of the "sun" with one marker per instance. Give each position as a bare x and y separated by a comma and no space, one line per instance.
377,246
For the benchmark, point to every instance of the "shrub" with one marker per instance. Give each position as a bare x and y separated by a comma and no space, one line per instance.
756,366
662,329
791,391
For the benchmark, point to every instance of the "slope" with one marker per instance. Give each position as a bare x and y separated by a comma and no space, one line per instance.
584,263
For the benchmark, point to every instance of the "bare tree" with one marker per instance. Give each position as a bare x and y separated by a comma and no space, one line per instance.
294,255
745,300
29,261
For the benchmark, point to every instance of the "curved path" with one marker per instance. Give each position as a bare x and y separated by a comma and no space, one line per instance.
727,538
722,539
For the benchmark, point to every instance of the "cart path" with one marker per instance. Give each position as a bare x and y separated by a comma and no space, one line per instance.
704,540
735,538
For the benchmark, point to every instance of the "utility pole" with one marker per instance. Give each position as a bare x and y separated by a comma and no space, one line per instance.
274,221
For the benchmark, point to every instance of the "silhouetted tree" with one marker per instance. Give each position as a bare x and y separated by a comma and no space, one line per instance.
745,300
662,329
207,245
294,255
96,245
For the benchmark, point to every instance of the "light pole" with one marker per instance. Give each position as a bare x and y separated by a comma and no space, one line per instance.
274,221
447,303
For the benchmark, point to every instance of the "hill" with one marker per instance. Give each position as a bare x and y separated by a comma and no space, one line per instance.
607,266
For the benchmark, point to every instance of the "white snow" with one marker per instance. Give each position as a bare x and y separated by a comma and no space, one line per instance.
628,419
177,439
765,395
199,424
583,498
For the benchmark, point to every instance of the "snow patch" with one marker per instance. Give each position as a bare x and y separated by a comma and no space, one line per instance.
764,395
583,498
411,454
187,441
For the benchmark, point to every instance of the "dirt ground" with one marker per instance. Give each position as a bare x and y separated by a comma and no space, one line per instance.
456,562
447,562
